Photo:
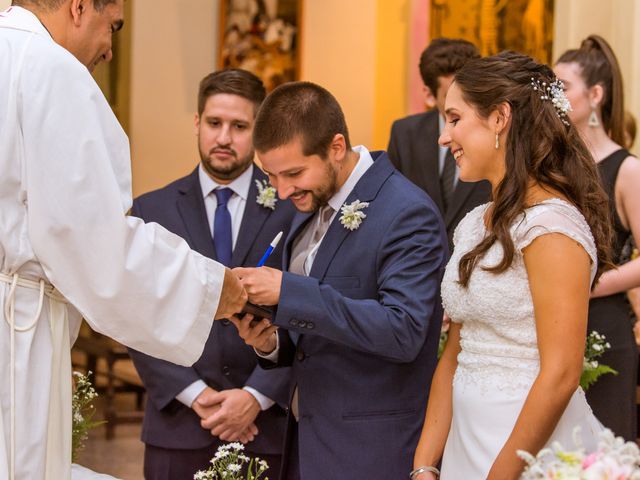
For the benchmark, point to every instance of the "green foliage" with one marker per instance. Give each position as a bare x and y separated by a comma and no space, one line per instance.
592,369
590,375
82,412
443,341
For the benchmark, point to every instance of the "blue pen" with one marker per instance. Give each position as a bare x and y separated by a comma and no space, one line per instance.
272,246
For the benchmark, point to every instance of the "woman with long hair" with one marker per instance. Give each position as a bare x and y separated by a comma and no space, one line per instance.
593,85
518,282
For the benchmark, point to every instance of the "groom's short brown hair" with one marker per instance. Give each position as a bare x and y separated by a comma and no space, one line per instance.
299,110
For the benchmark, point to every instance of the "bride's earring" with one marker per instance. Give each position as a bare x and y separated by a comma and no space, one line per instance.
497,141
593,118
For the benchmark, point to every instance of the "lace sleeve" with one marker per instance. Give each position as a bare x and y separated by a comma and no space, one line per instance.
556,216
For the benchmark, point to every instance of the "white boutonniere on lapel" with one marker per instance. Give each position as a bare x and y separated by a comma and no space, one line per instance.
266,195
352,214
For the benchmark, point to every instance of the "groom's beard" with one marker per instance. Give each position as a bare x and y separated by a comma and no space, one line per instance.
320,195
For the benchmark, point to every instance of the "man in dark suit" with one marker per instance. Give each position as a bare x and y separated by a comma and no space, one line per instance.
413,145
360,301
226,211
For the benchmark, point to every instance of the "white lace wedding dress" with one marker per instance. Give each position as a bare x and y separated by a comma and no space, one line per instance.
499,359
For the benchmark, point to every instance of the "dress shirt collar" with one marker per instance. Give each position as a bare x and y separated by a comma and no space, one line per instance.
240,185
23,19
364,162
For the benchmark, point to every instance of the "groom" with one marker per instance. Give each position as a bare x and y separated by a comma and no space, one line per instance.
359,297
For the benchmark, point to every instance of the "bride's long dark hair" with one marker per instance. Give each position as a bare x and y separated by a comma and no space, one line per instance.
539,147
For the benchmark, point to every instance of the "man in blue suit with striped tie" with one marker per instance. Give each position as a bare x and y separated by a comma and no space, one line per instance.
225,210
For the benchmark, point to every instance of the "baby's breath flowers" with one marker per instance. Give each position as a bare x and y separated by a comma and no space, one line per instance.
228,463
82,412
592,369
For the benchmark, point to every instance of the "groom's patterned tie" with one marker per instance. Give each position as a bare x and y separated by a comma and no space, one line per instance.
301,250
310,238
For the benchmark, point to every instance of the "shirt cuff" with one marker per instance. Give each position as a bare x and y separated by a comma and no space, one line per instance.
189,394
264,401
273,356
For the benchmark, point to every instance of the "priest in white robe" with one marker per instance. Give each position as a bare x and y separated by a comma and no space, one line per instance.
67,250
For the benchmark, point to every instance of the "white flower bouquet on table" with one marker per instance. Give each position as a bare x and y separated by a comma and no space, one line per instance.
614,459
592,369
228,463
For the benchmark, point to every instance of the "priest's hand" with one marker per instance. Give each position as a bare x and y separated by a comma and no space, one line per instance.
234,420
260,334
262,284
232,298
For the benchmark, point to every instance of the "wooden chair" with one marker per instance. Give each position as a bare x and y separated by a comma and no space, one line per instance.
112,373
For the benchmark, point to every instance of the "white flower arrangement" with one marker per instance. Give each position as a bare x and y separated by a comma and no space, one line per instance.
352,214
266,195
614,459
592,369
82,412
228,462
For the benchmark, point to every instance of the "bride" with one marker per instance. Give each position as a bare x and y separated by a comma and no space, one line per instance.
517,286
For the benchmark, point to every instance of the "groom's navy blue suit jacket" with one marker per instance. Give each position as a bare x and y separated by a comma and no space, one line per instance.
226,362
362,331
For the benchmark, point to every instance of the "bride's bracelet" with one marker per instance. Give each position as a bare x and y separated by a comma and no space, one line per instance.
424,469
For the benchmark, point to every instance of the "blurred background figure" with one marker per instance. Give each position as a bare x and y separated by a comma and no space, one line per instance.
413,145
593,84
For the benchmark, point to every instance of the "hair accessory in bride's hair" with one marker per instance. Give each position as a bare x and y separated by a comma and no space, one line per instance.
554,92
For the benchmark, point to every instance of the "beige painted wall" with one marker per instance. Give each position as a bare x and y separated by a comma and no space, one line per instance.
4,4
172,49
617,21
338,52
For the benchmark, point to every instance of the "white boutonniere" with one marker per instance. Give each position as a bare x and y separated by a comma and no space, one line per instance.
352,214
266,195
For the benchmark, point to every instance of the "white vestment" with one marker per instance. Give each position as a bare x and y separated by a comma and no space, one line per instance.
67,250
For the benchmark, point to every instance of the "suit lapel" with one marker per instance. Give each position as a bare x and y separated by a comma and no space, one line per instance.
190,205
297,224
460,195
365,190
428,151
252,221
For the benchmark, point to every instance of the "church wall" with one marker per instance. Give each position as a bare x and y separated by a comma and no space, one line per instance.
173,47
338,52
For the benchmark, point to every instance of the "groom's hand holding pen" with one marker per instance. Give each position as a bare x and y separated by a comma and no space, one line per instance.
262,285
259,333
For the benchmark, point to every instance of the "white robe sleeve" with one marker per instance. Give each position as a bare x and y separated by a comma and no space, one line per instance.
135,282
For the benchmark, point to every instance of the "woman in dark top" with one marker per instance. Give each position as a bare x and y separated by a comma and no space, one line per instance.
593,84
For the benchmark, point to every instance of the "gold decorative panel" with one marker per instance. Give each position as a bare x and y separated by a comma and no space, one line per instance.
494,25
